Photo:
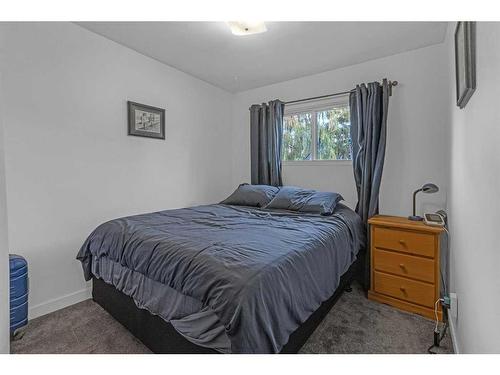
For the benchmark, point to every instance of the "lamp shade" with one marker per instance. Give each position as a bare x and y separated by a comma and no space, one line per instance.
430,188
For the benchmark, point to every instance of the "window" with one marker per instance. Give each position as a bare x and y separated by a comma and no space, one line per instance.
317,131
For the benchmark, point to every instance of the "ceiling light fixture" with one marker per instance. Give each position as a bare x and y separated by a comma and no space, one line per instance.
247,28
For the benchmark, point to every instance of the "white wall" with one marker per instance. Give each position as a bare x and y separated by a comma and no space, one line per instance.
417,148
69,162
473,203
4,248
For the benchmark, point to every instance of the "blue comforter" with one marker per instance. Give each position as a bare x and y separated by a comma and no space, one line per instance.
261,272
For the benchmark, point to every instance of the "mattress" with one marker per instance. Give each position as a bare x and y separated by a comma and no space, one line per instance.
237,279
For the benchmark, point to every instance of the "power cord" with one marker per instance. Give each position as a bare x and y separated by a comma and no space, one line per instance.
443,280
438,336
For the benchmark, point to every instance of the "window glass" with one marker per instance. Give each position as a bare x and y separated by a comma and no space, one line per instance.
333,134
297,136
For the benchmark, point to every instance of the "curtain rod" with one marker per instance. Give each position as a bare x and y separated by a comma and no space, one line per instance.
391,84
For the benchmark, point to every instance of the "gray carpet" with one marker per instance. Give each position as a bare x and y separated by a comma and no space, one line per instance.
354,325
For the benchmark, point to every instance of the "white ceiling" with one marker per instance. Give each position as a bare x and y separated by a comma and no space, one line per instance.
288,50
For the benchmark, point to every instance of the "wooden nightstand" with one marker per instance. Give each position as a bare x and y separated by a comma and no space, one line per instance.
405,264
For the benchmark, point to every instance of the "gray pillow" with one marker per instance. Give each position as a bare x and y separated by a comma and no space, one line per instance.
251,195
303,200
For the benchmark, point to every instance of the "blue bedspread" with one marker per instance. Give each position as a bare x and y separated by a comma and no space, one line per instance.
261,272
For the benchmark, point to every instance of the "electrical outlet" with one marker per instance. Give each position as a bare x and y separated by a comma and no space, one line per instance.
453,305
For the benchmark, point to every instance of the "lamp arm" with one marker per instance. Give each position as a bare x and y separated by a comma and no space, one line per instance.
414,200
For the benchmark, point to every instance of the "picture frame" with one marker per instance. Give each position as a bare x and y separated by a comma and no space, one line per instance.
465,62
145,120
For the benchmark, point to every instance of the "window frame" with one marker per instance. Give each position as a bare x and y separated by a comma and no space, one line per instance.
315,106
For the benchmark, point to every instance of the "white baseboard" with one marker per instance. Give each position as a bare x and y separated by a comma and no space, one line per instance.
58,303
453,334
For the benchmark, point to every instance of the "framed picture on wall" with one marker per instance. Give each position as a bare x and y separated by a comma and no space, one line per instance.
465,61
146,121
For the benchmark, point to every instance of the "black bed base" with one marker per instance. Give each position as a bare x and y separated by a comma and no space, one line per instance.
161,337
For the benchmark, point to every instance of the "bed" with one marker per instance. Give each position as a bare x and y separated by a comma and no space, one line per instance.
222,278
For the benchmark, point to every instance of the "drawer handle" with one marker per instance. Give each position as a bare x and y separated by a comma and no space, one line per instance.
402,266
402,242
403,289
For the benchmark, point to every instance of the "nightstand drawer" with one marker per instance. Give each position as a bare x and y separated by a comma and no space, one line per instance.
404,241
405,289
404,265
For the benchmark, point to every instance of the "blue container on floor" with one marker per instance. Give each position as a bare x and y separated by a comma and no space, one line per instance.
18,292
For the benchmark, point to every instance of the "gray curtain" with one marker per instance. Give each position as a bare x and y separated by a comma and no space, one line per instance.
368,105
266,131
